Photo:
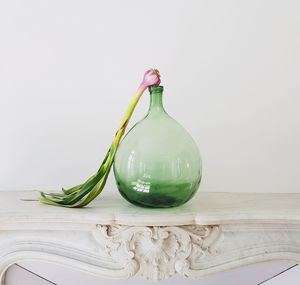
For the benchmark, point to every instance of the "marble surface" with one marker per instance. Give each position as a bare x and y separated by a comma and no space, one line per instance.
19,207
212,233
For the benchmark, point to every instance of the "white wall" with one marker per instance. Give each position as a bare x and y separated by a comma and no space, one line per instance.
230,69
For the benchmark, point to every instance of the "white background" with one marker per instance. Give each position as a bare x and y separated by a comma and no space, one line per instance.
68,70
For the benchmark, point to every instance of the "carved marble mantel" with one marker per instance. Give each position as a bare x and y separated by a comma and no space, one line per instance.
111,238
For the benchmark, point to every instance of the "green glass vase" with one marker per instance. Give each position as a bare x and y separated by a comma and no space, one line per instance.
158,163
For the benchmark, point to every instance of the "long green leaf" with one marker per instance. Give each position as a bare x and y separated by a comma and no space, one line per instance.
82,194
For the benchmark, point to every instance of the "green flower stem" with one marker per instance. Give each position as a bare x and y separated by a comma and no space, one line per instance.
82,194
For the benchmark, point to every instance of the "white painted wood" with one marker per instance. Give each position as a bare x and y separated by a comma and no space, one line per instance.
212,233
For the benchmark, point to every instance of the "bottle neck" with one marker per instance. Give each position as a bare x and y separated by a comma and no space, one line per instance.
156,102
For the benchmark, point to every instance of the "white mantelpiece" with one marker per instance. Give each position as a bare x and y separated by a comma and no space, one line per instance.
114,239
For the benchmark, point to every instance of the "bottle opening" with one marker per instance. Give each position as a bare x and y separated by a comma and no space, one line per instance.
156,89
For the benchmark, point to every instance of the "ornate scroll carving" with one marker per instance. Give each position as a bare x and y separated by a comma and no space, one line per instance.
159,251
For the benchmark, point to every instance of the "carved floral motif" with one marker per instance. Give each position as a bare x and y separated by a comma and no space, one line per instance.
159,251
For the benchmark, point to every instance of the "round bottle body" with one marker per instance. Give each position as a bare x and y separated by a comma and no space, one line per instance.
158,163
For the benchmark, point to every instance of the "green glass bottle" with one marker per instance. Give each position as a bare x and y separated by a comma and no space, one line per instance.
158,163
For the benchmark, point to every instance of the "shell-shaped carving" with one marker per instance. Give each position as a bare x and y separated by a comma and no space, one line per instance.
160,251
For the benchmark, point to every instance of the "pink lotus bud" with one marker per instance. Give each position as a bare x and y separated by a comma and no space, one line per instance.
151,77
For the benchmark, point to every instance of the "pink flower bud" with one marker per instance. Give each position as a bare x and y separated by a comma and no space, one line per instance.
151,77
